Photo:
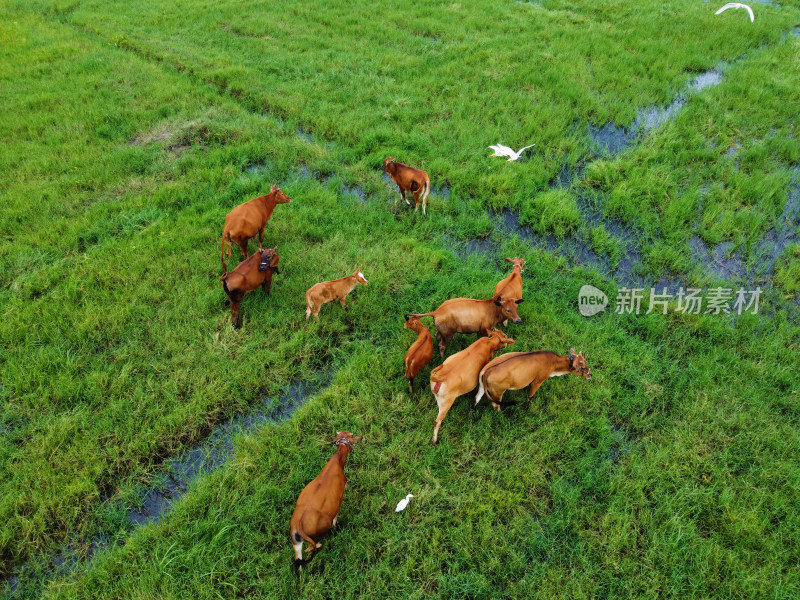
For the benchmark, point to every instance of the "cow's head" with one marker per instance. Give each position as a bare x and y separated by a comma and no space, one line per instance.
413,323
501,337
277,195
509,308
517,262
578,363
273,263
387,162
345,438
360,277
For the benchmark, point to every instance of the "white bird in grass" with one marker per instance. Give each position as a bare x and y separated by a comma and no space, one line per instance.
501,150
401,506
737,5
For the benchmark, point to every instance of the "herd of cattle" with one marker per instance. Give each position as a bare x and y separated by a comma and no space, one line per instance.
318,505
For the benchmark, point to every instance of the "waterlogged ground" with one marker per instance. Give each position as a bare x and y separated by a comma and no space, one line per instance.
149,449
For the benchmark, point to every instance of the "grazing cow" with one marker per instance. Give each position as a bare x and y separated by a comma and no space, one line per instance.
464,315
318,505
328,291
511,286
515,370
420,352
409,179
249,219
247,276
459,373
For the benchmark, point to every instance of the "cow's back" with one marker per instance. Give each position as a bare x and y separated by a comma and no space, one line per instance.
510,287
518,369
245,218
465,315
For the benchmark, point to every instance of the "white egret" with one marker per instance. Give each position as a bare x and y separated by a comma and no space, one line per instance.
500,150
737,5
401,506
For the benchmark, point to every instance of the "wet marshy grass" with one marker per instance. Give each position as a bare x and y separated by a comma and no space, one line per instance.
135,130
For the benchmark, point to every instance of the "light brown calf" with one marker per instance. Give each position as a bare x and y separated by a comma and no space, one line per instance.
515,370
319,502
247,276
511,286
459,373
409,179
421,350
465,315
328,291
248,220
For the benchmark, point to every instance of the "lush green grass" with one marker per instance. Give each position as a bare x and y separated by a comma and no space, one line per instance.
129,130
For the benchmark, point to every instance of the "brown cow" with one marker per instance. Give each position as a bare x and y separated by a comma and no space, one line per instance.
511,286
420,352
249,219
328,291
318,505
247,276
459,373
465,315
515,370
409,179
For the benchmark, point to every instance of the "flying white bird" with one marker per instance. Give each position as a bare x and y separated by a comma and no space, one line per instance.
401,506
737,5
501,150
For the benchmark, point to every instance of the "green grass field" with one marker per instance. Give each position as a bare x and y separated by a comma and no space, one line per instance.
131,129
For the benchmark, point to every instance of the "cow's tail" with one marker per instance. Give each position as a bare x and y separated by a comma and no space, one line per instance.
426,189
224,266
299,535
309,305
483,387
430,314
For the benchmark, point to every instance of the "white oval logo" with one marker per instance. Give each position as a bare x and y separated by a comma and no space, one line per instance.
591,300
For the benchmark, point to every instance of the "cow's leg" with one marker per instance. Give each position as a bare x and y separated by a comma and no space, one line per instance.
268,282
442,341
444,407
534,386
243,243
235,314
333,523
410,385
343,302
261,237
298,554
496,404
403,195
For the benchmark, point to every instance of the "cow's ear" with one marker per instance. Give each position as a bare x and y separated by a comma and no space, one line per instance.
358,438
520,301
511,260
273,187
498,303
